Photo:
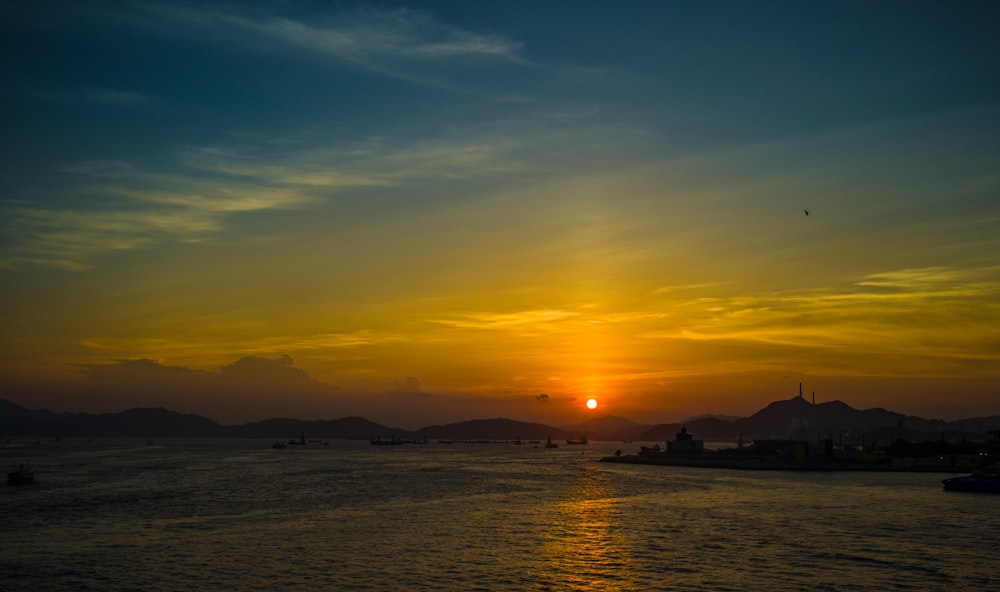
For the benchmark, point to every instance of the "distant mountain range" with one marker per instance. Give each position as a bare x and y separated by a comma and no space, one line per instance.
780,419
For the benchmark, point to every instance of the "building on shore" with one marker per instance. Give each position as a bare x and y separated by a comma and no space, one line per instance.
685,442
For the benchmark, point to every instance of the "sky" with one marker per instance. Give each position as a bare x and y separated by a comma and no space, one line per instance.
426,212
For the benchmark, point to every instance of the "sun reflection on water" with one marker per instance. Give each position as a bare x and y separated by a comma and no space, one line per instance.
585,547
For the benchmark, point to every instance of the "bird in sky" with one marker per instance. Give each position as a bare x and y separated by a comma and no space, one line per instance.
806,211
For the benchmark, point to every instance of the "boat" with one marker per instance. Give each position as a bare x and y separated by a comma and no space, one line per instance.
582,440
978,482
653,450
394,441
22,476
278,445
549,444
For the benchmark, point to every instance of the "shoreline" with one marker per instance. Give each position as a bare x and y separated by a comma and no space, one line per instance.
758,464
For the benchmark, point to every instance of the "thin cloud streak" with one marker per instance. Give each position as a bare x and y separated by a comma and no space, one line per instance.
895,314
532,318
386,42
240,178
371,34
71,240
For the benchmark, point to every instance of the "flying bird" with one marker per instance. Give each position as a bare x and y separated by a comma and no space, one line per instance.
806,211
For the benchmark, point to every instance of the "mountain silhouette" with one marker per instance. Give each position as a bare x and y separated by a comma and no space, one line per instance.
797,417
350,428
790,418
491,429
608,427
143,422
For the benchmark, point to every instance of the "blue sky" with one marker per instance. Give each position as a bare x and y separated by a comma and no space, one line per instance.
464,193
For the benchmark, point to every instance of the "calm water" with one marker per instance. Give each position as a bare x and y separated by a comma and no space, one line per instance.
237,515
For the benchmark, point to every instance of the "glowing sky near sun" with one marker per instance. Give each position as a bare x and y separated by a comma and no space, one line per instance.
432,211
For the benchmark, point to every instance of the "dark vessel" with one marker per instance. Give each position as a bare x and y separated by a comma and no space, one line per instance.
979,482
582,440
394,441
22,476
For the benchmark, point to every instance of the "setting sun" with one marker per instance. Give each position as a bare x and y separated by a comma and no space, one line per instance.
591,403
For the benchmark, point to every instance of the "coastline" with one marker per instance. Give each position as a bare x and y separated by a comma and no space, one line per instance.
765,464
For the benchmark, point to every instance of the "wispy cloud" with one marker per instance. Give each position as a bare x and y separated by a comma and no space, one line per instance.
534,319
376,162
371,34
72,240
137,208
190,195
936,314
189,349
912,279
389,42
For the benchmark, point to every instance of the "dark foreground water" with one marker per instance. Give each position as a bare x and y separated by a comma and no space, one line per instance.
236,515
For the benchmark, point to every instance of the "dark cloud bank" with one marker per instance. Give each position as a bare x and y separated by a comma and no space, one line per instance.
248,389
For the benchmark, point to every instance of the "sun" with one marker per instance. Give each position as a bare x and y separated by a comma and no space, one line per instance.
591,403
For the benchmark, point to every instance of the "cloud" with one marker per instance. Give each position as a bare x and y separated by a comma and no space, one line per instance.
193,194
920,321
249,388
255,372
395,43
532,318
373,33
409,386
911,279
131,205
377,162
141,373
132,208
71,240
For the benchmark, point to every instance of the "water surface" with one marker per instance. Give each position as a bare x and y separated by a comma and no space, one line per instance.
219,514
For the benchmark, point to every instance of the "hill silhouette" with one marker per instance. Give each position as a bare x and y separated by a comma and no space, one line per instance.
788,418
349,428
491,429
142,422
608,427
797,417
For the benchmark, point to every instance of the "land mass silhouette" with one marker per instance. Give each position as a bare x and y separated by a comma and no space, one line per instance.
780,419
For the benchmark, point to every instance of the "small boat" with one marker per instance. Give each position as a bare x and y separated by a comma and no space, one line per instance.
278,445
978,482
582,440
22,476
394,441
549,444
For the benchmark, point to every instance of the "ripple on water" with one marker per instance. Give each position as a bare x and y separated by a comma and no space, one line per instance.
240,516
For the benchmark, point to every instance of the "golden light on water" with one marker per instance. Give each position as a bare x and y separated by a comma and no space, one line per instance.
585,547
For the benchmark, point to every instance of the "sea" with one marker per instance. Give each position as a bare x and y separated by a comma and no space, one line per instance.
237,514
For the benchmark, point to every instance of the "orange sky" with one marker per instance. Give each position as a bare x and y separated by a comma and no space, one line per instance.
455,214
